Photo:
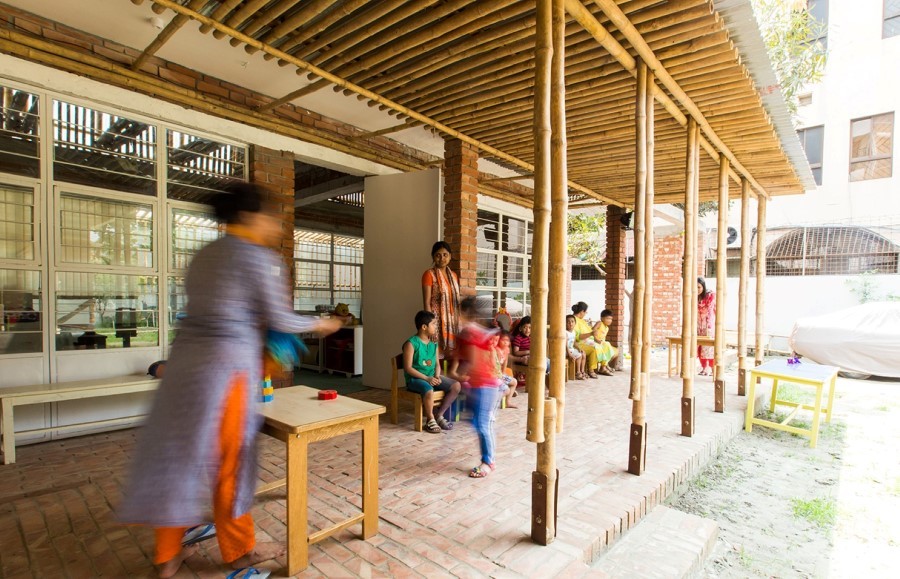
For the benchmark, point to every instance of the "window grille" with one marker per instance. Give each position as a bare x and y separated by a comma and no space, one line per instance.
198,167
191,231
21,306
17,224
105,231
327,270
832,250
100,149
19,132
503,263
871,147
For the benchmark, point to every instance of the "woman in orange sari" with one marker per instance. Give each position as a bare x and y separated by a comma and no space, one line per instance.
440,295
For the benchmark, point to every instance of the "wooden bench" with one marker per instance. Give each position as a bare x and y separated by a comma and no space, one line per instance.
62,391
522,369
398,392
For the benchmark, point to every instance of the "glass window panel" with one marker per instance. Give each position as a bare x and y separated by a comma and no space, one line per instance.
891,8
487,303
516,304
20,312
348,249
486,270
191,230
877,169
105,231
812,144
198,167
19,132
17,231
312,275
817,175
513,272
312,245
177,305
488,230
515,235
306,300
102,310
103,150
891,27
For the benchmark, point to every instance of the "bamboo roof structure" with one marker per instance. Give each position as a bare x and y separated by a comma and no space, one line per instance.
465,68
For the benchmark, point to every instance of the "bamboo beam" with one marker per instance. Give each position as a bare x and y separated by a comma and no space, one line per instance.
219,13
171,28
296,21
301,36
760,278
387,130
484,148
261,20
247,9
558,274
742,288
689,283
721,278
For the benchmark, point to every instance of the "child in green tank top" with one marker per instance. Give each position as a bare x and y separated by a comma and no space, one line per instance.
423,373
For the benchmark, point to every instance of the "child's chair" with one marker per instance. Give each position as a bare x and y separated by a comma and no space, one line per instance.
398,392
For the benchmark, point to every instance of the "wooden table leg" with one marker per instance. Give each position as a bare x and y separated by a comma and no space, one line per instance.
370,478
751,403
814,430
670,366
297,514
8,433
833,382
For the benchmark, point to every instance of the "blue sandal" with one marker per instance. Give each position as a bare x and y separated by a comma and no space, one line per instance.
197,534
247,572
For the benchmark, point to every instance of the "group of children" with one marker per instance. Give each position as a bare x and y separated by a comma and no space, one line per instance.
481,364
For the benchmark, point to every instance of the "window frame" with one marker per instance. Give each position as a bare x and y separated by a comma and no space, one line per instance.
499,290
820,165
889,156
332,262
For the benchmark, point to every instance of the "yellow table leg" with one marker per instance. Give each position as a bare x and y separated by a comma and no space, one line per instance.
751,403
370,478
774,396
297,514
814,431
831,398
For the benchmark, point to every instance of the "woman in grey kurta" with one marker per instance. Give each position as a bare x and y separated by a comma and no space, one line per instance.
237,289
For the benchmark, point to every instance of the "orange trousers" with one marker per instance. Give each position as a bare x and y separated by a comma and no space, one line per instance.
236,536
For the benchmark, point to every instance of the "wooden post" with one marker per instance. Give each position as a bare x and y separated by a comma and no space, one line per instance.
542,183
544,481
689,283
742,287
760,276
721,278
638,440
559,202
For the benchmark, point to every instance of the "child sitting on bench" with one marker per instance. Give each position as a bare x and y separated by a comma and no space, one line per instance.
423,372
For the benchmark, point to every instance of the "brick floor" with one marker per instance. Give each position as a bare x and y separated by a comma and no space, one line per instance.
56,518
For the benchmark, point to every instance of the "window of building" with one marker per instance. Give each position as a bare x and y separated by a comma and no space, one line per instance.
871,147
819,10
98,231
813,139
198,167
327,271
891,25
20,311
20,142
504,263
805,99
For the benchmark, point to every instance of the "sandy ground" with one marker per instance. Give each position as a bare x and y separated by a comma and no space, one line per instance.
785,510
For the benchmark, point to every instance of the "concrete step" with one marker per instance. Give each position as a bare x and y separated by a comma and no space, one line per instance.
666,544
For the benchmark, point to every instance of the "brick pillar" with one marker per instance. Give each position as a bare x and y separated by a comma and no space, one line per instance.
274,170
667,277
461,209
615,276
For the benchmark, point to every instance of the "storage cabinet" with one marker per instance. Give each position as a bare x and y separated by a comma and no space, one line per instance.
344,351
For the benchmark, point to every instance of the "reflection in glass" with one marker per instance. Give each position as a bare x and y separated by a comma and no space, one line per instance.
486,270
101,310
191,231
20,312
488,230
199,167
105,232
19,132
17,223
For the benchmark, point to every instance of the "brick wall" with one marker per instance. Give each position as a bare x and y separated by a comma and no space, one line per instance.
615,273
461,209
274,170
667,258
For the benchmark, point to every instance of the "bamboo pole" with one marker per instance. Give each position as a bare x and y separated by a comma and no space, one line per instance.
688,282
542,187
558,273
545,480
640,228
171,28
721,278
760,278
219,13
742,288
270,15
484,148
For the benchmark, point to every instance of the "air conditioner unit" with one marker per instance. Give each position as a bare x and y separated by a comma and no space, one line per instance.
732,238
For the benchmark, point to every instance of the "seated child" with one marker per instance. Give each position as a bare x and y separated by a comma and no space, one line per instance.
423,373
606,352
521,344
508,383
572,352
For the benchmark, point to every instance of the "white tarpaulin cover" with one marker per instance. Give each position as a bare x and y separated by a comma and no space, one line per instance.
862,339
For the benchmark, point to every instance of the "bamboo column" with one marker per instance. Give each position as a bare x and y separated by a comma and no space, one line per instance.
559,201
742,287
689,282
648,257
637,446
760,275
540,411
721,277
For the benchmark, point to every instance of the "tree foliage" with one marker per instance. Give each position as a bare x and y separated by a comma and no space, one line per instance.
587,238
792,37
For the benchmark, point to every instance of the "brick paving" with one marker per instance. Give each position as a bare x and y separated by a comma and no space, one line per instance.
57,520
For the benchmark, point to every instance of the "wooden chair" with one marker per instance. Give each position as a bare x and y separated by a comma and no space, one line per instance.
570,369
399,391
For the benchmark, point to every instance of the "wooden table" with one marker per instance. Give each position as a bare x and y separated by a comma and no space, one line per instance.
297,417
675,348
804,373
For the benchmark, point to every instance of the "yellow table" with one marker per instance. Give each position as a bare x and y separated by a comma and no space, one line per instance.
675,348
297,417
804,373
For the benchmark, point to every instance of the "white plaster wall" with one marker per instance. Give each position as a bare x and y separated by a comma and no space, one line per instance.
786,299
403,218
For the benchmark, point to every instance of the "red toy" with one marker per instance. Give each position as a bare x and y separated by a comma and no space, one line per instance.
327,394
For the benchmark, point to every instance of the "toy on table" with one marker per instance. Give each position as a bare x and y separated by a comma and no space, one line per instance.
327,394
268,391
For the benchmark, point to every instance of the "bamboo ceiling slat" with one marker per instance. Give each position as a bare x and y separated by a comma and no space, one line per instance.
278,31
298,37
265,18
218,14
239,16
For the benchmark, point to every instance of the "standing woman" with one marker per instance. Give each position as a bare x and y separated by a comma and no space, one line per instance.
440,295
198,445
706,323
584,339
